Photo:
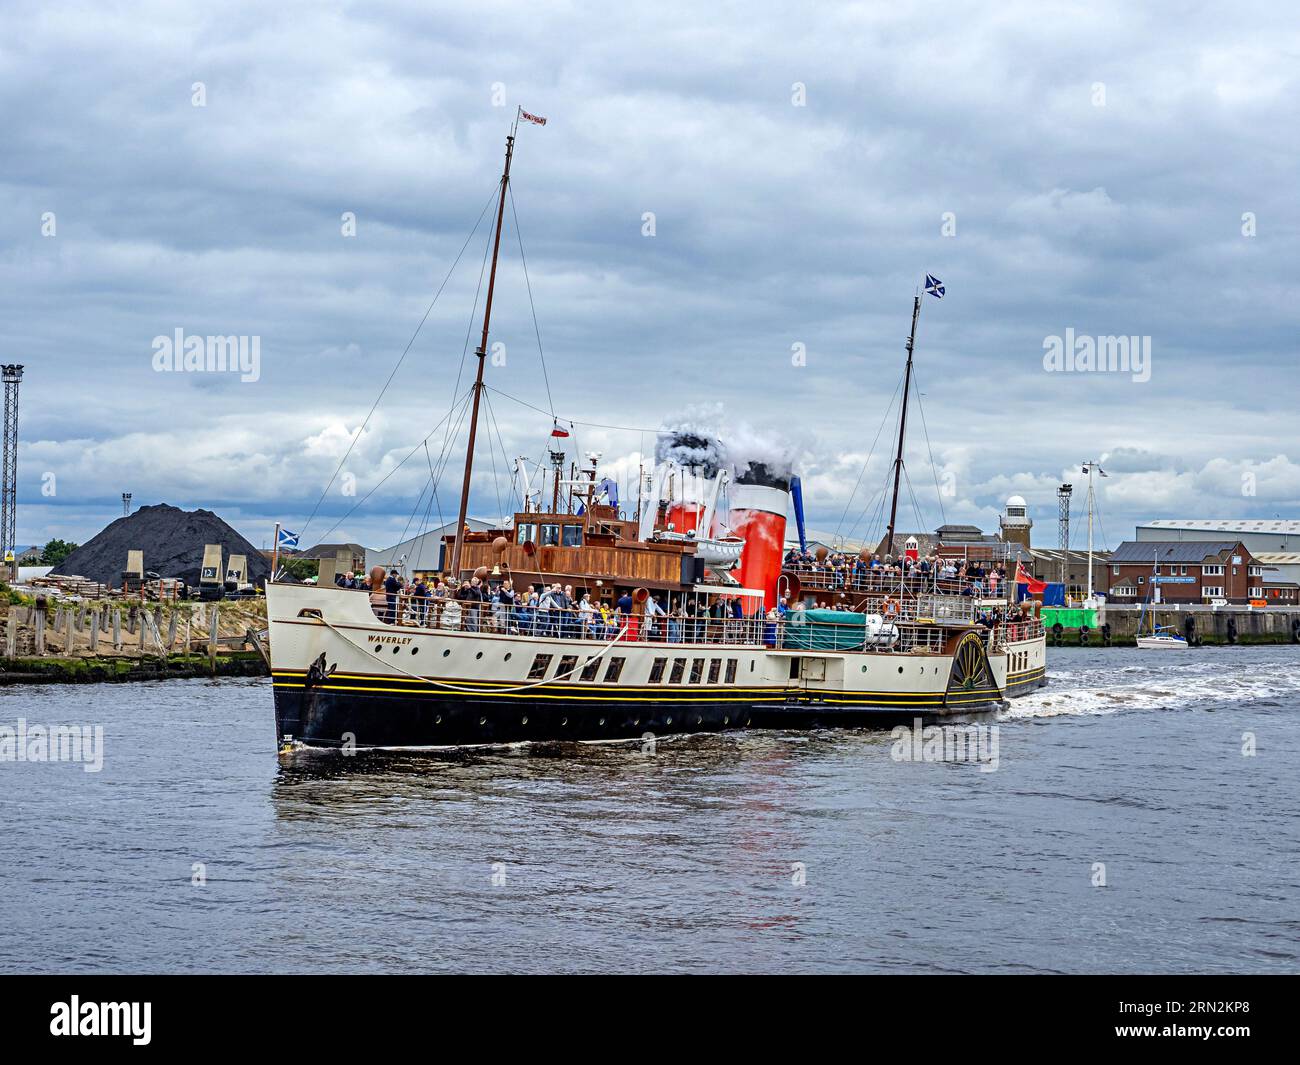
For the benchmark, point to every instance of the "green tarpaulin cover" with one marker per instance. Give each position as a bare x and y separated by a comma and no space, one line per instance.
824,630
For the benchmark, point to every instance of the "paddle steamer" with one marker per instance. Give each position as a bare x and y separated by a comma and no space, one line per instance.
679,635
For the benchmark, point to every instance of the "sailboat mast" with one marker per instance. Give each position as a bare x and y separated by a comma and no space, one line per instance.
481,354
902,425
1091,500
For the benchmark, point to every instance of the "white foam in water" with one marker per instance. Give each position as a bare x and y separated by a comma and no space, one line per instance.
1163,685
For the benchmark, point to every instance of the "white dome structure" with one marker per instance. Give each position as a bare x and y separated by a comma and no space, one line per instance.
1015,522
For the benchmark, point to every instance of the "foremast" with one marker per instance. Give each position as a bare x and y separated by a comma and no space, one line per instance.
481,355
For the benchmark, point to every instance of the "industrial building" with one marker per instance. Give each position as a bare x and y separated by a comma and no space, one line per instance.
1256,535
423,553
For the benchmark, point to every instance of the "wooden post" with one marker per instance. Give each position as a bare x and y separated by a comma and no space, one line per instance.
171,630
81,617
144,628
40,630
212,638
69,639
117,628
11,636
94,631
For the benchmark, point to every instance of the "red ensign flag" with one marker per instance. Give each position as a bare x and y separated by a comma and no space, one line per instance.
531,118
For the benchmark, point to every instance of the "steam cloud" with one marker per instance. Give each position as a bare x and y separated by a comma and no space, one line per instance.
703,438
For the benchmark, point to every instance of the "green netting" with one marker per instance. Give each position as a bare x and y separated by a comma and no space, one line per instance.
824,630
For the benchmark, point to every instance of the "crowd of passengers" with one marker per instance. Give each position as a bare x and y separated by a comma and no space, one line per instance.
837,569
554,610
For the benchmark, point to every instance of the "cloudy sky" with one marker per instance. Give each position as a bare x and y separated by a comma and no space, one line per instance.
1107,168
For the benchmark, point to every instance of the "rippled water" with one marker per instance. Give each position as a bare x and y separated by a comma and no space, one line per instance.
607,858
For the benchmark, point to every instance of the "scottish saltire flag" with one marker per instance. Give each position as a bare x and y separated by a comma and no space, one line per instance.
288,540
934,286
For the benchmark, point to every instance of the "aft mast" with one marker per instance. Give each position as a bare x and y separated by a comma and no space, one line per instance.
902,425
481,354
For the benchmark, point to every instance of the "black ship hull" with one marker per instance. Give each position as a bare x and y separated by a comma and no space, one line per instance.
347,715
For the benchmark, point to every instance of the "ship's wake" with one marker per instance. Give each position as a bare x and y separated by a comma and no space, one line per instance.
1162,685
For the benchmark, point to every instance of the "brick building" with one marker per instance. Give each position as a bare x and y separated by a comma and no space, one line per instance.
1187,571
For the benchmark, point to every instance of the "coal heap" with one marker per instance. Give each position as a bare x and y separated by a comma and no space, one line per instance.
172,541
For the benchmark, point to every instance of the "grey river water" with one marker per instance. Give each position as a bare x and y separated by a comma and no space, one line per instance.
195,849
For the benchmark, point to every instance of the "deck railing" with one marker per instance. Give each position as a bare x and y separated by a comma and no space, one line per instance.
891,582
912,629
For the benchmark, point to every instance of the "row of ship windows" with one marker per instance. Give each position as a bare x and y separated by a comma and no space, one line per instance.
569,663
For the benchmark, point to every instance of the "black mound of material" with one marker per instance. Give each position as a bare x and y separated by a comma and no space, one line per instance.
172,541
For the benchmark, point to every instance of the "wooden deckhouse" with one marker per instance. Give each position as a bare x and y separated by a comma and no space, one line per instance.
596,551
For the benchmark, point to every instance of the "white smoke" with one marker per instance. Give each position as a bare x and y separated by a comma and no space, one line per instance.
748,446
691,440
703,437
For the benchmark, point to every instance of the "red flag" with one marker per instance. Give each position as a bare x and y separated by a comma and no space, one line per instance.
557,431
1035,587
531,118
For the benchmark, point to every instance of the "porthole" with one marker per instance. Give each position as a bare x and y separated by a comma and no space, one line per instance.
438,720
668,721
524,721
900,669
726,721
446,651
864,669
482,721
396,649
479,655
377,648
507,657
699,721
564,721
414,650
601,722
636,722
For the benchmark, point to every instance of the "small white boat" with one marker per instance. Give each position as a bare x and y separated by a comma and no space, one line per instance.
1161,637
1161,641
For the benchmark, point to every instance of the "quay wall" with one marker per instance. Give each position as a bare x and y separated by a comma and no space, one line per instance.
1211,626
